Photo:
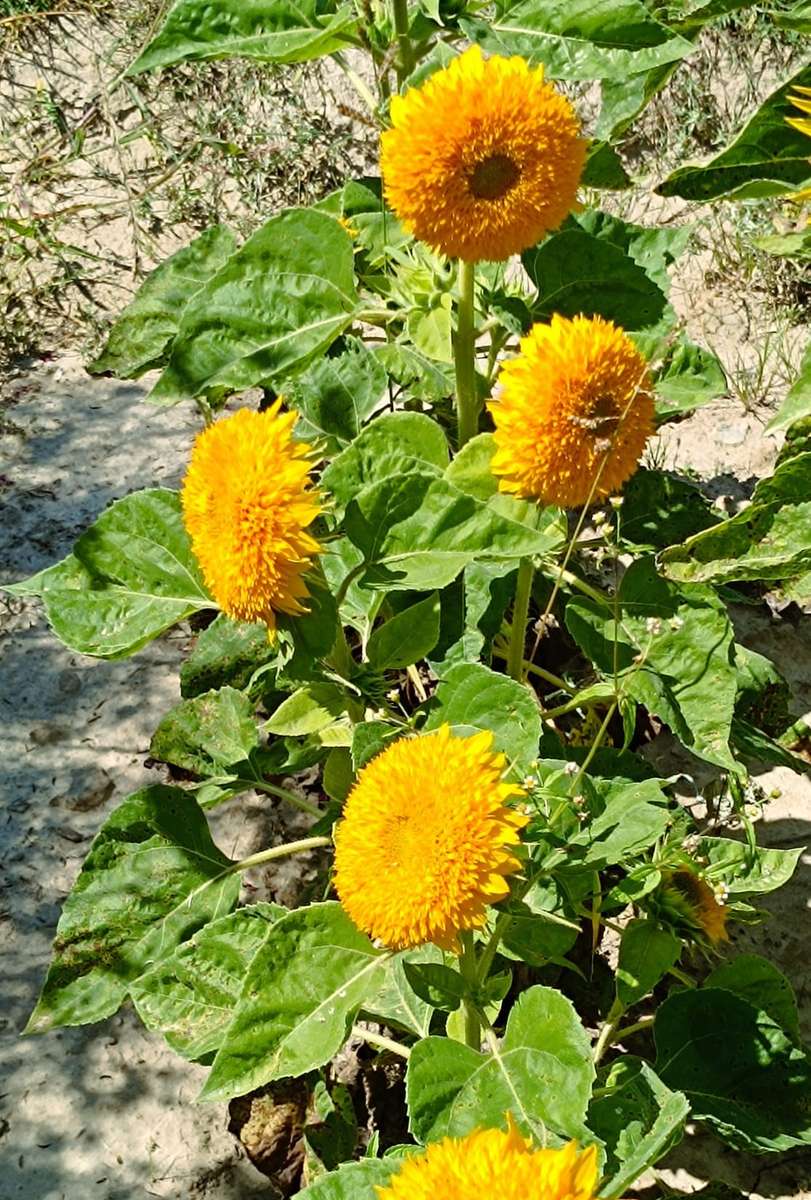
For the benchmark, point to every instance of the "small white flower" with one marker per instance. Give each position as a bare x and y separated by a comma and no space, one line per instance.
529,782
653,626
600,518
721,893
676,623
616,501
571,768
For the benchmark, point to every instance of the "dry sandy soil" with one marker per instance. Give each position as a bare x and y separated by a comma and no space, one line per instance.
108,1112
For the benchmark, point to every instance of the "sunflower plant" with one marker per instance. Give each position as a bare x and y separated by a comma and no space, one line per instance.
438,610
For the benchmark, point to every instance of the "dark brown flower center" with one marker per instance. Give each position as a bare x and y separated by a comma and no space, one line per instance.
493,177
600,417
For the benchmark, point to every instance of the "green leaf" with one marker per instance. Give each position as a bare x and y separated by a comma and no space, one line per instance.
639,1121
227,652
431,330
437,985
576,272
646,953
659,509
280,300
422,378
767,158
264,30
757,980
368,739
190,995
418,532
397,1002
738,1069
352,1181
746,871
311,709
337,394
210,735
141,335
407,637
771,539
604,168
688,378
634,816
471,697
300,995
541,1075
338,774
797,404
687,678
131,576
583,39
653,248
797,18
152,877
389,446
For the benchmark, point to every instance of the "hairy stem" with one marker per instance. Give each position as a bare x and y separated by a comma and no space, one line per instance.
405,58
518,631
469,970
378,1039
464,357
256,860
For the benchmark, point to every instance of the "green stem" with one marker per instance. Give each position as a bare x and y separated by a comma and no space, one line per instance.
518,631
586,588
256,860
489,952
499,651
405,63
468,969
595,746
464,357
682,977
637,1027
377,1039
290,797
608,1030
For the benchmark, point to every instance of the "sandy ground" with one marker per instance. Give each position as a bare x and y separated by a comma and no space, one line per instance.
108,1111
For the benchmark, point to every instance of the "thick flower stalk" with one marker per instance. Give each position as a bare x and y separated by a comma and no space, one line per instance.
573,412
427,840
483,159
247,504
490,1164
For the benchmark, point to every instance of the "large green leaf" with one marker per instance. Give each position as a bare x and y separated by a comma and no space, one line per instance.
797,404
278,301
418,532
638,1121
634,815
152,877
771,539
471,698
389,446
767,158
741,1073
686,677
139,338
337,394
578,272
300,995
541,1074
265,30
685,376
583,39
211,734
190,995
131,576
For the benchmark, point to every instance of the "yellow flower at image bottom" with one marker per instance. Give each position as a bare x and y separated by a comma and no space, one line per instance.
247,504
483,159
492,1165
573,412
426,841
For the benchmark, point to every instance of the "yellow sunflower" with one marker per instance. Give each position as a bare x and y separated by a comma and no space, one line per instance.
573,407
246,505
490,1163
426,839
483,159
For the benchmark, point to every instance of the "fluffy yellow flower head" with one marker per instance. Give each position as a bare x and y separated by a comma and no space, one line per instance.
483,159
425,842
575,402
246,505
491,1165
802,101
691,901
